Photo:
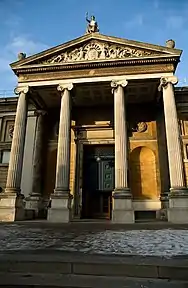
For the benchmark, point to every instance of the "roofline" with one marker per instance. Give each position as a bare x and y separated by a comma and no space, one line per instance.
181,89
97,36
4,100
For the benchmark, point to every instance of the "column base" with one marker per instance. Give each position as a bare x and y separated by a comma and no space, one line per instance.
60,210
12,191
122,208
12,207
33,206
162,214
178,205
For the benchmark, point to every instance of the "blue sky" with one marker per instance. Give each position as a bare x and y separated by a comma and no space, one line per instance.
31,26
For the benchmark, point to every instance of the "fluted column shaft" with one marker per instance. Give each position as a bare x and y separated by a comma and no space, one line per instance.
173,137
18,142
37,158
64,140
121,149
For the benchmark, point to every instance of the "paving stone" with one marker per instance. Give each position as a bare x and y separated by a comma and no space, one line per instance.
166,242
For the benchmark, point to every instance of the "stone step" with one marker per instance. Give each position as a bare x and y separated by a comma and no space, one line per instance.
57,262
83,281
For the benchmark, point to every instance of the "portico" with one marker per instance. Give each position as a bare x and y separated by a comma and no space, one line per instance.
107,134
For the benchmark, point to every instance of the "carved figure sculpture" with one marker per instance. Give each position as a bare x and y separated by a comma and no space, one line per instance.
92,24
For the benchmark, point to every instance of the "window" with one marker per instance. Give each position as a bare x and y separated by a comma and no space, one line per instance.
5,156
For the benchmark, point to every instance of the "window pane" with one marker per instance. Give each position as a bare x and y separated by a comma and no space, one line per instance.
5,157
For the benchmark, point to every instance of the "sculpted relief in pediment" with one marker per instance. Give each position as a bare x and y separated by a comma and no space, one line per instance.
96,50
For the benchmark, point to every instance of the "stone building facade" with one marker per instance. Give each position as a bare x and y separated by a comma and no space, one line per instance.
96,130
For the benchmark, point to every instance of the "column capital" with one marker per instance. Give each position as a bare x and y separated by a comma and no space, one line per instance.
62,87
23,89
164,81
40,112
116,83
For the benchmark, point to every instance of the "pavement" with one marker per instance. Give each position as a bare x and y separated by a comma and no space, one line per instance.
89,254
154,239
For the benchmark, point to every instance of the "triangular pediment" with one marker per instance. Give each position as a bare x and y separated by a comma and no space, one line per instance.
96,47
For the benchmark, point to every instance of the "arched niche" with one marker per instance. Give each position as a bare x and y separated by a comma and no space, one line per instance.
143,173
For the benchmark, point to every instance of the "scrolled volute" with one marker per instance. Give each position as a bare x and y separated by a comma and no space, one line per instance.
164,81
115,83
64,86
21,89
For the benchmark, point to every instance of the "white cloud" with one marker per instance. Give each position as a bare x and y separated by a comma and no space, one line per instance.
16,45
10,52
26,45
18,42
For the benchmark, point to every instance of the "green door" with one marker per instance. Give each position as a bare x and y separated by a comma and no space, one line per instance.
98,181
106,174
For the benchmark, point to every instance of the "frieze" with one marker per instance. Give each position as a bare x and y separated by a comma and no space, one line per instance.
131,70
96,50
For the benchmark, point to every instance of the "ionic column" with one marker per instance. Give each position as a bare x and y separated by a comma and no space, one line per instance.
60,210
37,158
18,141
178,197
64,141
173,137
122,211
120,129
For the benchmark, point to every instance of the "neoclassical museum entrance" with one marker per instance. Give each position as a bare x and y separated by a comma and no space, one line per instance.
98,181
106,141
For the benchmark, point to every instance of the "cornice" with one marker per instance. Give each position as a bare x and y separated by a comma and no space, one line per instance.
103,64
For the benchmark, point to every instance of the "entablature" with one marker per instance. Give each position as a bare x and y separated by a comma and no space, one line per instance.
95,51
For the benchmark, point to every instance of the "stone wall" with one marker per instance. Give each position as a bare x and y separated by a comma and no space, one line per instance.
6,130
184,134
162,152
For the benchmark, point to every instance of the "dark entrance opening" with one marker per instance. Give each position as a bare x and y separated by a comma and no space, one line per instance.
98,181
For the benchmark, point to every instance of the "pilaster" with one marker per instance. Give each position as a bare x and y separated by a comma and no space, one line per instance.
33,201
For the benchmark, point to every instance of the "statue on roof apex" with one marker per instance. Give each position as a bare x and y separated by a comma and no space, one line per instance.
21,56
92,25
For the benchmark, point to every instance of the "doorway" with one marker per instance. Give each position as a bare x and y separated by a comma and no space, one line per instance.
98,181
